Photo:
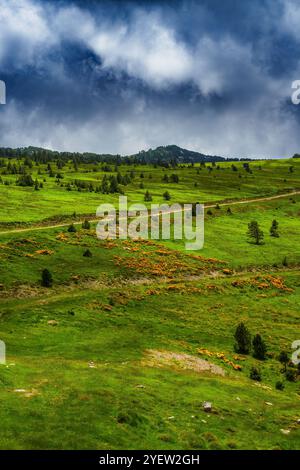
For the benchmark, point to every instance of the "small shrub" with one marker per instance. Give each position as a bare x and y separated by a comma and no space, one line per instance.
86,225
279,385
147,197
87,253
290,375
47,279
166,196
72,228
255,374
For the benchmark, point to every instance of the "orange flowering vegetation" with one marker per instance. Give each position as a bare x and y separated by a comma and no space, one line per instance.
21,247
109,244
263,282
214,288
44,252
222,357
149,264
24,241
39,252
153,259
208,260
227,271
62,237
154,292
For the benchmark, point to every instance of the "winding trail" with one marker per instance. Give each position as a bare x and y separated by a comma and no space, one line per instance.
207,206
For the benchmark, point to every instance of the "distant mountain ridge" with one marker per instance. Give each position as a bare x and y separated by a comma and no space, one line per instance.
163,154
173,152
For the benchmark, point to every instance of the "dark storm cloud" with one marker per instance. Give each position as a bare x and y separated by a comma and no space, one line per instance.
115,76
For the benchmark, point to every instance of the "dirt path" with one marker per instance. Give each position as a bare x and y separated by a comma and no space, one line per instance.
249,201
207,206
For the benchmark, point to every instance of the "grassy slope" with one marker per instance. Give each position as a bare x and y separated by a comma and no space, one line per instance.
26,205
112,312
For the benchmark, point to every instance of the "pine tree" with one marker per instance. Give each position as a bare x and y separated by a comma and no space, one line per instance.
72,228
174,178
255,232
147,197
167,195
243,339
259,348
47,280
86,225
284,359
274,229
114,187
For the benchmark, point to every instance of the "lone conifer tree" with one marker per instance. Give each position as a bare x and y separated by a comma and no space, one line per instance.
274,229
255,232
243,339
47,280
259,348
147,197
284,359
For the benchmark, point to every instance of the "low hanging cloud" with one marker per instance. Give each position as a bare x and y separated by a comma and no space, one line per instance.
87,79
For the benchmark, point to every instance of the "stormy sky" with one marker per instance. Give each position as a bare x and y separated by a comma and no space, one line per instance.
118,77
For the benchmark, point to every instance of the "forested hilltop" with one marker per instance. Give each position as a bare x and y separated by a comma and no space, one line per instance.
170,154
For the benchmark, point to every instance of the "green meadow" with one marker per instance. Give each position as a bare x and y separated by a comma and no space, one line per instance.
127,344
196,184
